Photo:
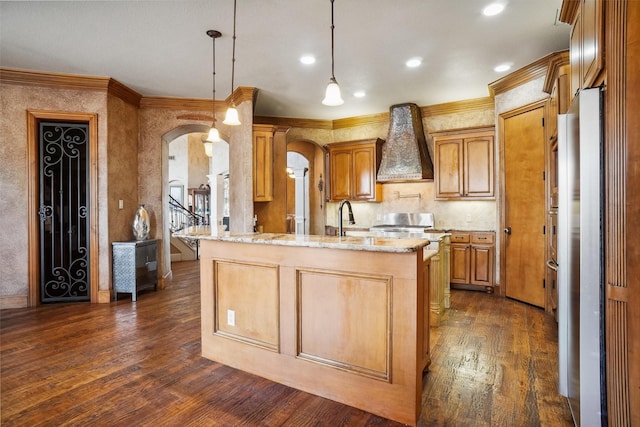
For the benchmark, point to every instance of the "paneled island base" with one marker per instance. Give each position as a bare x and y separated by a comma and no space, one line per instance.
351,325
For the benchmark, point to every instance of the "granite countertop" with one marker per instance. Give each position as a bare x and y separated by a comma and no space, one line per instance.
431,236
372,244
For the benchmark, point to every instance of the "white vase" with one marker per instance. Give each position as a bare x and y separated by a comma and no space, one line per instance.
141,224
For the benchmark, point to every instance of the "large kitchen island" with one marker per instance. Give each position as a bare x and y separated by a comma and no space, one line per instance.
345,318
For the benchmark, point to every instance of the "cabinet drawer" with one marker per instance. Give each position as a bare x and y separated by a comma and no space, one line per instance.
483,238
460,238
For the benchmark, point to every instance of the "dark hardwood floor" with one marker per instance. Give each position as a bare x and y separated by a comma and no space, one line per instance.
124,364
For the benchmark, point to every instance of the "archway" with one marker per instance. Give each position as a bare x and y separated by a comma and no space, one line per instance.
213,169
316,178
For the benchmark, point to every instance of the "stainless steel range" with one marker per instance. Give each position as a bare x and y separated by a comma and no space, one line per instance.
404,224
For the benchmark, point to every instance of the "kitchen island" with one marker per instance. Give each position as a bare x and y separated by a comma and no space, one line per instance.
344,318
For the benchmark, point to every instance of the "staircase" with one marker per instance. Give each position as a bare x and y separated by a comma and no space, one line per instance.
183,249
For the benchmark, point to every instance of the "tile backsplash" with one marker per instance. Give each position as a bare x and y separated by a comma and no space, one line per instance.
419,197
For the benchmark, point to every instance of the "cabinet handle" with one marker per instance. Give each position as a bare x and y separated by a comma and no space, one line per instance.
482,238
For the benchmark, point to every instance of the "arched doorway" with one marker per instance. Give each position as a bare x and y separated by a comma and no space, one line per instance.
190,137
297,193
313,182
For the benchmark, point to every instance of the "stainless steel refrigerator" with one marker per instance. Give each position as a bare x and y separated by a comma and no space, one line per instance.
580,259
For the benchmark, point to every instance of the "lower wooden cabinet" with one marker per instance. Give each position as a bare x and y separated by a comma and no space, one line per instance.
472,260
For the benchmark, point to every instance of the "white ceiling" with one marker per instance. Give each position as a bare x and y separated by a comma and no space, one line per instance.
159,48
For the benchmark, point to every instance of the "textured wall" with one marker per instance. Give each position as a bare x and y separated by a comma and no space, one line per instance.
15,100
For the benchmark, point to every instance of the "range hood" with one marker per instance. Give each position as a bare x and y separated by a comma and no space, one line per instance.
405,155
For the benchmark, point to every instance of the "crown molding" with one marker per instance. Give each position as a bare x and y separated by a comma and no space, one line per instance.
121,91
191,104
370,119
69,81
66,81
569,10
519,77
241,94
293,122
556,62
476,104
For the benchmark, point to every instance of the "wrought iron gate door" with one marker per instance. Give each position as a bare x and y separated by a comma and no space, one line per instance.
64,211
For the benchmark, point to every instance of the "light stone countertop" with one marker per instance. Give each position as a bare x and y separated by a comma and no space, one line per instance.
372,244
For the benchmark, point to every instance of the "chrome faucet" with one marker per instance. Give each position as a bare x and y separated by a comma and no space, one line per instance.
351,220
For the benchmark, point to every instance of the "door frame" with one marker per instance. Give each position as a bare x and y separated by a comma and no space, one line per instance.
502,199
33,168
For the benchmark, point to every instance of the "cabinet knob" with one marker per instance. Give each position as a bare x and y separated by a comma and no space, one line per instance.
507,230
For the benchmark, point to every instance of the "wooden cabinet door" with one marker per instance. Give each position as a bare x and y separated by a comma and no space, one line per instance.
592,41
262,166
364,182
449,168
481,265
460,263
341,175
478,167
575,54
353,168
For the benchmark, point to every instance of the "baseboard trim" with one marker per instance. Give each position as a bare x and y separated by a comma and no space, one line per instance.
13,301
104,296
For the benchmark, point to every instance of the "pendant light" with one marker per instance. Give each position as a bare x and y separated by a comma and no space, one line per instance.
214,135
332,96
231,118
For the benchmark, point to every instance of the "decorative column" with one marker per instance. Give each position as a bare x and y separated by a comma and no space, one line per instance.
216,183
300,175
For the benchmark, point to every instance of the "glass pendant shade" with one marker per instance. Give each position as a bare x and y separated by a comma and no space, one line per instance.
214,135
332,96
208,148
231,118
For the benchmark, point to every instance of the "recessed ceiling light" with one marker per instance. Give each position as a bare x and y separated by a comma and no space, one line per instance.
502,68
493,9
414,62
308,59
360,94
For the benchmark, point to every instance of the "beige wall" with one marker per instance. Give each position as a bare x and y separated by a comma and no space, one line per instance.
15,100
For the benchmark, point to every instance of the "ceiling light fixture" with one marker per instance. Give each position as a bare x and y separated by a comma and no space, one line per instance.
214,135
231,118
360,94
332,95
308,59
414,62
493,9
502,68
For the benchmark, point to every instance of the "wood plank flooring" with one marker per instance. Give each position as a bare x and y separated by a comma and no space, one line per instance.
124,364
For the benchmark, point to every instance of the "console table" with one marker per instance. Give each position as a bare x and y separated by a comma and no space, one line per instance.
135,267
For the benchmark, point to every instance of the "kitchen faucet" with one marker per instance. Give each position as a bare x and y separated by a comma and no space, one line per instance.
351,220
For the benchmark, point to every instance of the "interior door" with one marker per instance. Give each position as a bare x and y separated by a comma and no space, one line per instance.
524,204
64,211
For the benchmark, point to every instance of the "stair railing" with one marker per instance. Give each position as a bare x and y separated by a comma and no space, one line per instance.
181,217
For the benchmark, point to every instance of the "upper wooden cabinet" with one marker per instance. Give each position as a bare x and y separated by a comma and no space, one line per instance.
586,41
353,167
263,163
556,84
464,164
